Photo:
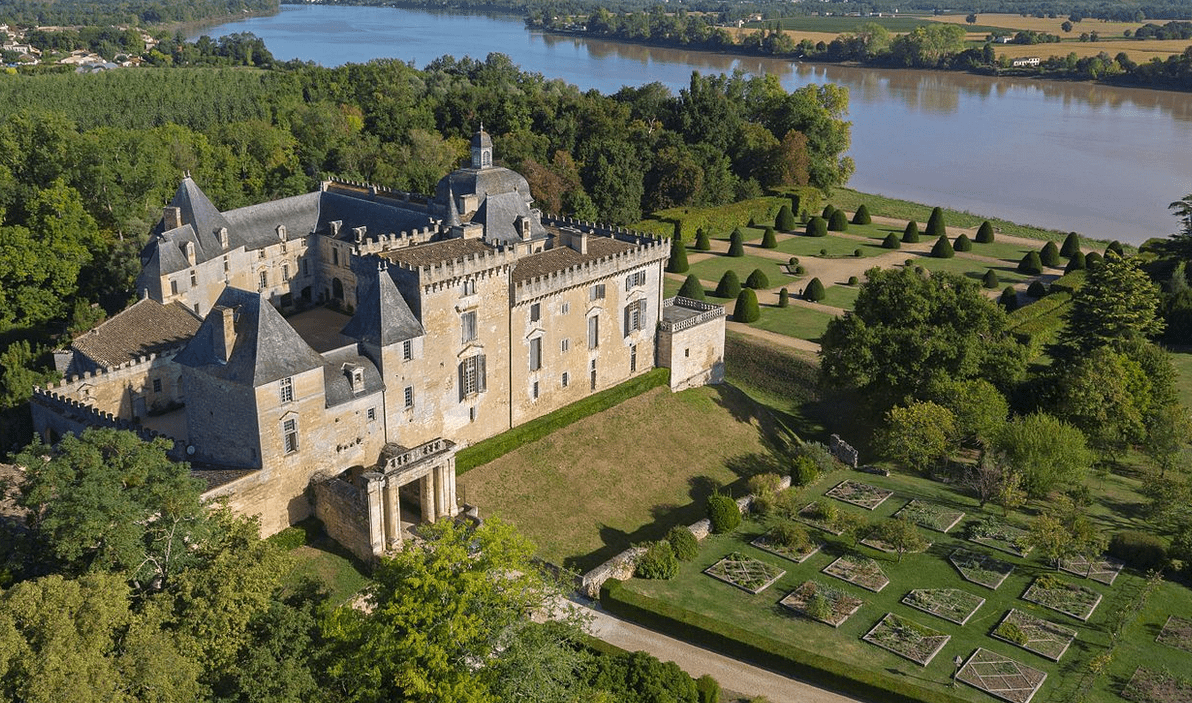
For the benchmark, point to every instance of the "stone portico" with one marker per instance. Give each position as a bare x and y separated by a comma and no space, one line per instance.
432,466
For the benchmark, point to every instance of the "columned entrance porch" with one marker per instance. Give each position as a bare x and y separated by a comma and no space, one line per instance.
429,468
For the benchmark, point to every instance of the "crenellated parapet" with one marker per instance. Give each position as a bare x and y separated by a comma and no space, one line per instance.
81,414
447,273
648,251
377,192
382,243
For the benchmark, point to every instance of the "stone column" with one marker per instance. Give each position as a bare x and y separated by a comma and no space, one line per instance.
392,514
440,492
376,512
428,497
452,501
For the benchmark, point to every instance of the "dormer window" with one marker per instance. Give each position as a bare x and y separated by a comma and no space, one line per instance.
189,249
355,376
281,232
222,233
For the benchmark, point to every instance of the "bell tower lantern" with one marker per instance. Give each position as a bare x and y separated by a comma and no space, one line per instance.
482,149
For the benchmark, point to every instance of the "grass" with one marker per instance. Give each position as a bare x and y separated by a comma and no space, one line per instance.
794,321
803,246
972,269
841,296
325,561
837,25
712,268
1182,360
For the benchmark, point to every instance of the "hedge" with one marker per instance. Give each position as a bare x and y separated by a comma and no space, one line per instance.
495,447
1038,323
722,218
764,651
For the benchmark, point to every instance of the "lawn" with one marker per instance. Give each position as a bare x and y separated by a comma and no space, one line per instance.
711,269
328,563
844,297
794,321
836,246
973,269
1183,381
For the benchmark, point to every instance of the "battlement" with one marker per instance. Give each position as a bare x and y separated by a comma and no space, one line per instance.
374,191
388,242
453,269
85,415
108,371
704,312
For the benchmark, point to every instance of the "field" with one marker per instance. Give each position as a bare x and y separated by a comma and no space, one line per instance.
712,268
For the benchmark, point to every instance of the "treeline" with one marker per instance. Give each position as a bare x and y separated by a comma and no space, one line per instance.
102,13
240,49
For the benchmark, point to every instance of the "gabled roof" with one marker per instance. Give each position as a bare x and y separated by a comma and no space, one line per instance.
144,328
255,226
266,348
376,217
203,217
382,316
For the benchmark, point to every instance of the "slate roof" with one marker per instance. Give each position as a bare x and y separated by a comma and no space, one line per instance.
337,387
382,316
563,257
266,348
376,217
499,212
144,328
203,217
433,253
255,226
482,182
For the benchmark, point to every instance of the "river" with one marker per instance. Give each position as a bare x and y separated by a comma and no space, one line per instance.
1069,156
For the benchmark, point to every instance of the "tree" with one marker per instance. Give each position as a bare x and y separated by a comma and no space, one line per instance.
814,291
702,241
1031,264
1036,289
861,216
987,477
638,677
919,435
757,280
723,513
729,285
785,221
1117,304
746,309
985,233
1064,530
784,298
1070,246
971,18
1047,452
942,249
910,235
935,223
1107,395
1049,255
963,243
817,227
891,242
1169,430
827,212
677,263
769,241
978,408
990,279
1066,26
901,534
1181,241
838,221
692,288
736,243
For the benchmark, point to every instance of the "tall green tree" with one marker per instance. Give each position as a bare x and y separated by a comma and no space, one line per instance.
1045,451
1117,304
918,436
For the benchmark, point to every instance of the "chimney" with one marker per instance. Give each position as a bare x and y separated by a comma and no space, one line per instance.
574,239
225,337
172,216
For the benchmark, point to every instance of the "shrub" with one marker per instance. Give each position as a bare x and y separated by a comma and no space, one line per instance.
736,243
861,216
1076,263
891,242
757,280
823,253
746,309
814,291
838,222
817,227
706,687
1116,247
764,484
293,537
702,241
935,223
1092,259
854,281
1008,299
784,298
800,270
723,513
1049,255
729,285
985,233
1139,549
793,260
804,471
785,221
692,288
752,222
942,248
1036,289
790,535
1031,264
910,235
769,241
683,543
824,511
818,607
796,202
857,253
1012,632
990,280
820,455
1070,246
827,213
677,263
658,562
963,243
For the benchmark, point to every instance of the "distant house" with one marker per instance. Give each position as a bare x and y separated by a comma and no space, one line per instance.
1032,61
1001,39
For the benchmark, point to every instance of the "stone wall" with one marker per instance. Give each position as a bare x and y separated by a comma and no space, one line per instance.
343,510
843,451
113,390
693,350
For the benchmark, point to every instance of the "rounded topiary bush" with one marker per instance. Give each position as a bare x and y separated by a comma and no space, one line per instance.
683,543
985,233
658,562
746,309
838,222
935,223
854,281
706,687
677,263
891,242
814,291
793,261
804,472
1031,264
963,243
942,248
861,216
785,221
784,298
990,280
736,243
1008,299
800,270
823,252
757,280
1092,260
910,235
1116,247
1049,255
1141,550
692,288
729,285
858,253
817,227
1070,246
723,513
769,241
827,213
702,241
1036,289
1076,262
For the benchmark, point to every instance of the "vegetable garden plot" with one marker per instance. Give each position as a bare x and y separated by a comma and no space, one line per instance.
979,568
744,572
1063,597
859,571
1035,634
907,638
1149,686
951,604
764,543
818,601
811,514
1102,570
931,516
1176,632
1001,676
880,545
1000,536
860,494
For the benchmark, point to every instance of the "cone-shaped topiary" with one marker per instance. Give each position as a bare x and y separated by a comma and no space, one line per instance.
757,280
736,243
963,243
785,222
702,241
1116,247
784,298
692,288
990,280
796,202
943,248
861,216
1008,299
935,223
1092,259
817,227
891,242
677,263
985,233
1049,255
769,241
814,291
746,309
838,222
729,285
1036,289
828,210
1031,264
1070,246
752,222
910,235
1076,262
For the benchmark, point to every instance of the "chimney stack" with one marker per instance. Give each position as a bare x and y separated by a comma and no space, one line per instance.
172,216
225,337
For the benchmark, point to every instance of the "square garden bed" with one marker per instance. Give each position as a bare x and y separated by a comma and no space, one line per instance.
979,568
821,602
1034,634
930,515
1063,597
746,573
859,571
874,542
798,556
1001,676
992,532
951,604
859,494
1151,686
820,515
1100,570
907,638
1176,632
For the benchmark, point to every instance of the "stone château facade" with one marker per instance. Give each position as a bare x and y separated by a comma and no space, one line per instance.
330,352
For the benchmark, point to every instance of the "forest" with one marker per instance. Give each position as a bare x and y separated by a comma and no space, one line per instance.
97,13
